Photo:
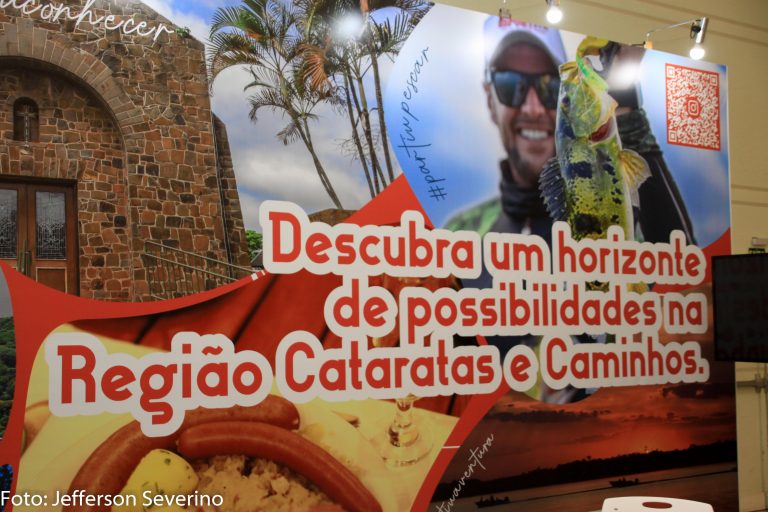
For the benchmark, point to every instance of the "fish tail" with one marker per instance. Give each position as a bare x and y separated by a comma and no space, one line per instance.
636,171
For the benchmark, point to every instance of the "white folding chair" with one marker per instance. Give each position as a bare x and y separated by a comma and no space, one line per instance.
653,504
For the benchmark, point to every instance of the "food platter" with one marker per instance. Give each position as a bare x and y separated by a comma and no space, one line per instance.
64,444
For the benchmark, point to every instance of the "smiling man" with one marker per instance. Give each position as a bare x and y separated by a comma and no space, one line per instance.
521,86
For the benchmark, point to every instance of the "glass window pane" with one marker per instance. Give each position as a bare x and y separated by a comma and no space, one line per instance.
8,231
51,225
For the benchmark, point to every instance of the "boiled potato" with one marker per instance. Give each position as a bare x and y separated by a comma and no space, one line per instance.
160,472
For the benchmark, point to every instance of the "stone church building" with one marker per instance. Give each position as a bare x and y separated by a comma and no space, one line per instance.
108,144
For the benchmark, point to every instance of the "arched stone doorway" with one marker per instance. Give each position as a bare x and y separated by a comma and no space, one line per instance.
126,124
63,204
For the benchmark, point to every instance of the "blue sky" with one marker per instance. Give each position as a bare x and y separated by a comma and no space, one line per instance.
463,145
265,168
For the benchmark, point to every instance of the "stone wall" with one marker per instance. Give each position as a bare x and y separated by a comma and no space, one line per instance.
78,143
156,95
231,199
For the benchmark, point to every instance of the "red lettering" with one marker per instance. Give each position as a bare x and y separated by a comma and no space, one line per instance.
426,377
373,310
654,357
689,357
384,380
587,259
692,263
674,362
649,311
519,307
580,365
485,369
441,246
468,312
442,362
647,262
352,302
419,313
344,245
551,346
466,247
629,262
220,388
354,365
316,246
631,309
339,383
114,380
445,311
280,256
488,310
239,383
367,258
415,244
290,354
518,367
162,412
468,375
563,252
84,373
400,363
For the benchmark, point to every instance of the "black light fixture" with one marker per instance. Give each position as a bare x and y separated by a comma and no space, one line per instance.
505,17
698,29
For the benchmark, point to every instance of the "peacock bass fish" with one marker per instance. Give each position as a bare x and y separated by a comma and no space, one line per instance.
593,182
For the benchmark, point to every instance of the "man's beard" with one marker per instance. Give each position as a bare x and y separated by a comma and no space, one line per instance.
524,169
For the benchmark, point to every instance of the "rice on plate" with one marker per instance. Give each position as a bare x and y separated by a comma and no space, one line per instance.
251,484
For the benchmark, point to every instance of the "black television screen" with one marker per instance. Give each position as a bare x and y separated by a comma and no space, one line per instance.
740,293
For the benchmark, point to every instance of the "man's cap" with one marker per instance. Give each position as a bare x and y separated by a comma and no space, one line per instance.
499,37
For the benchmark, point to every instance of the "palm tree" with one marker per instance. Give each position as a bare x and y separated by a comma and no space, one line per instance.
263,35
387,38
377,39
335,66
333,69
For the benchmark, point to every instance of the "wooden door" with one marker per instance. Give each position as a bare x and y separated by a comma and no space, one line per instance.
38,232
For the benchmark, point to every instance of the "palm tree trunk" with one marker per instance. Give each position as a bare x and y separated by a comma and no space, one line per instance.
307,139
380,111
369,135
360,118
355,134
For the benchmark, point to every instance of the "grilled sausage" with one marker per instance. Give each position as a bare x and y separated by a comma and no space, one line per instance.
108,468
274,410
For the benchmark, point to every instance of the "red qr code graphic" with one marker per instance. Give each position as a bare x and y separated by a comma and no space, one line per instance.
693,107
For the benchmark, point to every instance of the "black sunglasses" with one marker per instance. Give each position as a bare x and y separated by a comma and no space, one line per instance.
512,87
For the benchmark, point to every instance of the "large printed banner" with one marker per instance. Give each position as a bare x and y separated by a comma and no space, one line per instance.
521,322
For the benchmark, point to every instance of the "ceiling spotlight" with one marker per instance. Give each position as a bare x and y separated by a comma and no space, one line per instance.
554,14
697,52
697,33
